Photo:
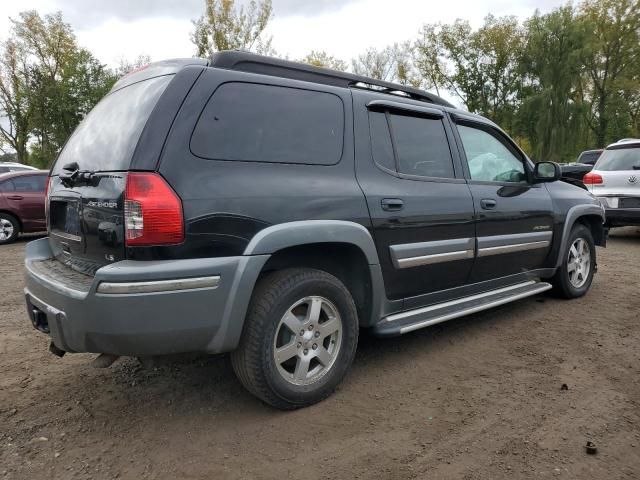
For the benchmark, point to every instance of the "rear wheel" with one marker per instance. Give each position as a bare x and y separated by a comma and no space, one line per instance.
9,228
299,339
573,279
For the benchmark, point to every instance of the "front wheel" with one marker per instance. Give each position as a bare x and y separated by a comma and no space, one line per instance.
299,338
573,279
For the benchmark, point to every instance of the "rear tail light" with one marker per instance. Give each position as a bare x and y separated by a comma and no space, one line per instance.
152,211
592,179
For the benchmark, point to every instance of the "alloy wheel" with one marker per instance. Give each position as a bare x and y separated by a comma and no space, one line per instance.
307,340
579,262
6,229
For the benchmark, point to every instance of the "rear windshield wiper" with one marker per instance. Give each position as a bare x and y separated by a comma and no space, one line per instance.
72,176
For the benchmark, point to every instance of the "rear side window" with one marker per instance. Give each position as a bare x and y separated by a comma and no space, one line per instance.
265,123
419,146
619,159
107,137
32,183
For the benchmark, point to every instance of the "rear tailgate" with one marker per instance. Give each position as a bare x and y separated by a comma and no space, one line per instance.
86,218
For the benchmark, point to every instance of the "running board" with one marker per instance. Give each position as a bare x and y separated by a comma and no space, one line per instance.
411,320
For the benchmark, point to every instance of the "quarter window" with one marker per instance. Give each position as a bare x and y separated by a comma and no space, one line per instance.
489,159
265,123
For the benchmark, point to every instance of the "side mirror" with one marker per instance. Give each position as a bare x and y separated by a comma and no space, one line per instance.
546,172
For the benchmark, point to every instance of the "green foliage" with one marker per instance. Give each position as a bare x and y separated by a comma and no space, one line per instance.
47,85
561,82
391,64
320,58
224,26
480,67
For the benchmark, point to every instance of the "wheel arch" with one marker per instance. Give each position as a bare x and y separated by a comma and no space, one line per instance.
592,217
343,249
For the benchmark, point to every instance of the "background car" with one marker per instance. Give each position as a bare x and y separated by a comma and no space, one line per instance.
22,200
7,167
615,181
583,165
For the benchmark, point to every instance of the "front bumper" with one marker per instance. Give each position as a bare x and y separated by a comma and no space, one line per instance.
172,306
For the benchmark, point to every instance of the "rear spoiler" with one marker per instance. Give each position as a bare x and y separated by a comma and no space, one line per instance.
156,69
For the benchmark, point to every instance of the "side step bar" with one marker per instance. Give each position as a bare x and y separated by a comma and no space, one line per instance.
411,320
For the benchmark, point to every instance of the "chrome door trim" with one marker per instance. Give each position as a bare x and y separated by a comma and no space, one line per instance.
428,253
519,242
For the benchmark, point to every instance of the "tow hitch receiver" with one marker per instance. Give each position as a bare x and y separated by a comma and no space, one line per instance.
39,320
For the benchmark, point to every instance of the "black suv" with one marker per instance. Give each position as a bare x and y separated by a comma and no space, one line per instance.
270,209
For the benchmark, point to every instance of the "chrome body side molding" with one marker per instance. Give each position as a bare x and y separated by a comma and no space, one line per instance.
427,253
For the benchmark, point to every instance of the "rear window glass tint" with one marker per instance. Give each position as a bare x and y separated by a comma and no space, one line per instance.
421,146
589,157
381,146
107,137
264,123
619,159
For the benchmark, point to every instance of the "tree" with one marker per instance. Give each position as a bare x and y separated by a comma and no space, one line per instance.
126,66
612,54
478,66
320,58
47,85
227,27
390,64
16,111
551,114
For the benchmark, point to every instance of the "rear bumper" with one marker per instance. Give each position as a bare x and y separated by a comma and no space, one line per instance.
620,217
171,306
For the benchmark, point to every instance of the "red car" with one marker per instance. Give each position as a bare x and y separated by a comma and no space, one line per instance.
22,199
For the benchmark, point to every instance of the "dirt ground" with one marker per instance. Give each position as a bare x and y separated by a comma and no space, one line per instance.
476,398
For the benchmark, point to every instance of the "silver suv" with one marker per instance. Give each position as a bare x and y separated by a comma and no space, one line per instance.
615,181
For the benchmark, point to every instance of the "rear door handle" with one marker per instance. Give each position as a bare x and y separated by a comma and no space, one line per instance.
15,197
488,203
392,204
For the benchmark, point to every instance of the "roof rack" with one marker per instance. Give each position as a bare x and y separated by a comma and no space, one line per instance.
250,62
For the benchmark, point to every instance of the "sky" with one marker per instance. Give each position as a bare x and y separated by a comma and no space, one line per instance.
114,30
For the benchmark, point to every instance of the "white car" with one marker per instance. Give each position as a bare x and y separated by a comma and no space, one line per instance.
6,167
615,181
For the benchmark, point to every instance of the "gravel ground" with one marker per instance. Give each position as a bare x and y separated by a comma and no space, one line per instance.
476,398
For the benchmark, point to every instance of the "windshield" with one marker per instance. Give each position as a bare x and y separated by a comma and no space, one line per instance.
619,159
106,138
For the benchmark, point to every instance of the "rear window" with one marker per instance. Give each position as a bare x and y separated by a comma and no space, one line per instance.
107,137
266,123
589,157
619,159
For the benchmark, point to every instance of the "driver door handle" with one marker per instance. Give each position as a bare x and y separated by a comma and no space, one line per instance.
488,203
392,204
15,197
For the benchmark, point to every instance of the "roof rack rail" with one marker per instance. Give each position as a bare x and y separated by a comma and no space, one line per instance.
252,63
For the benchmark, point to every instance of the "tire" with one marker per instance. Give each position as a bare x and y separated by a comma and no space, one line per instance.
9,228
567,282
323,346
